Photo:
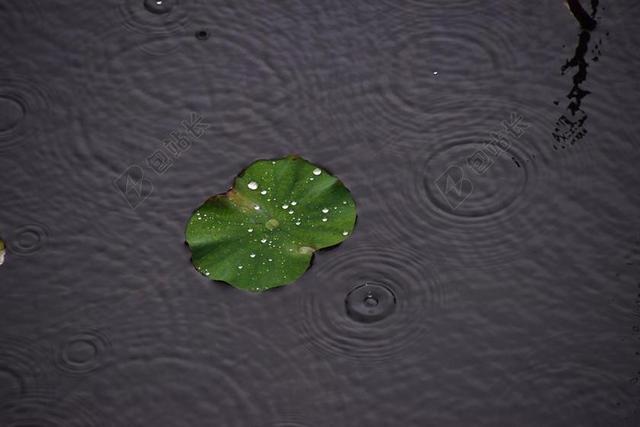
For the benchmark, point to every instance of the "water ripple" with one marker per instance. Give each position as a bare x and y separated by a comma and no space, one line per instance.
82,352
326,325
157,358
425,68
460,199
26,111
27,239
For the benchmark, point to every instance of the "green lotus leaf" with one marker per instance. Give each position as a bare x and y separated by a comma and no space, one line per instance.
262,233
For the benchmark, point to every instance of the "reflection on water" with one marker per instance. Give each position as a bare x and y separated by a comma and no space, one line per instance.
570,127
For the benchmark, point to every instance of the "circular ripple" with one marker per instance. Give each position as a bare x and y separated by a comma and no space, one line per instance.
25,111
468,197
393,273
481,181
82,353
27,239
429,68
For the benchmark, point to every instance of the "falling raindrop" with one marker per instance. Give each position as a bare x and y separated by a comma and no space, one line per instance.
253,185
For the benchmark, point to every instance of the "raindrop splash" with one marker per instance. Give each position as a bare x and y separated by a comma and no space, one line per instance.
370,302
158,7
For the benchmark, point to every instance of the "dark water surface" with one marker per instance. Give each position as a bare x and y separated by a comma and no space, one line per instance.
484,285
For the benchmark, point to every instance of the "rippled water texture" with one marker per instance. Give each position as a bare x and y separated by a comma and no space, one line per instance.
493,277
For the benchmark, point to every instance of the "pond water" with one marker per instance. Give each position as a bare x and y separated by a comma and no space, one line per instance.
493,277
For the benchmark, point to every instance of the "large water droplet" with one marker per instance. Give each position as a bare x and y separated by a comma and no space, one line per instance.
252,185
317,171
158,6
370,302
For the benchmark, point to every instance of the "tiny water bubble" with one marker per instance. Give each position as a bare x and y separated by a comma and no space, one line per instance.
324,219
263,192
202,34
294,203
285,206
252,255
317,171
252,185
325,210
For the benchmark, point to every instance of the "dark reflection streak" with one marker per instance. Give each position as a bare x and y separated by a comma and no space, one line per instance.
586,21
570,127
